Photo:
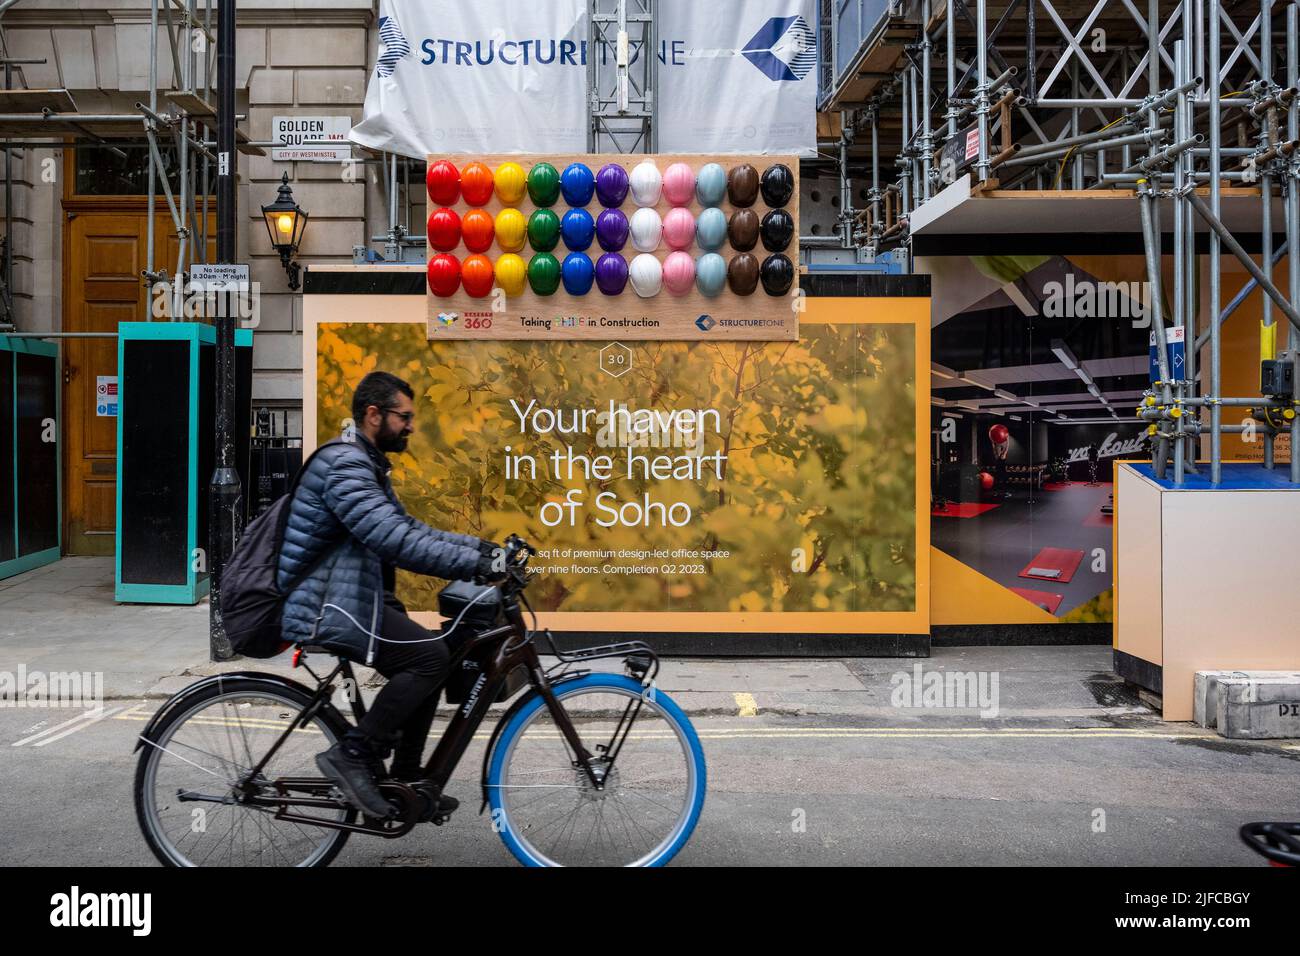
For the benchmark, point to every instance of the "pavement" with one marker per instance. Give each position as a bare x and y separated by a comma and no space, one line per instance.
975,756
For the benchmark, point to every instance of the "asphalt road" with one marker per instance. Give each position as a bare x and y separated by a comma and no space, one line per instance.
789,790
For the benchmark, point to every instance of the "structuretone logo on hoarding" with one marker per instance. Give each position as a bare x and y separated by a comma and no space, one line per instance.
451,78
784,49
393,46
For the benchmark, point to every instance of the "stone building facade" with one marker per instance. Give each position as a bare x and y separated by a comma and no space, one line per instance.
294,58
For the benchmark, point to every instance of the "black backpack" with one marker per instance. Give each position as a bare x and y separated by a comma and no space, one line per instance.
251,603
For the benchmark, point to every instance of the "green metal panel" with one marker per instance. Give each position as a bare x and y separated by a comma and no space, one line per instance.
10,347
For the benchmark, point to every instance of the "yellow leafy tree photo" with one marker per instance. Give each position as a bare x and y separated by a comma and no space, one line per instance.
800,481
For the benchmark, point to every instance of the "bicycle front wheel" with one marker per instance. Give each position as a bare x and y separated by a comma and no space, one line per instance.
547,809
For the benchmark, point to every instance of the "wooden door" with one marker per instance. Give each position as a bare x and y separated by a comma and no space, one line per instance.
104,254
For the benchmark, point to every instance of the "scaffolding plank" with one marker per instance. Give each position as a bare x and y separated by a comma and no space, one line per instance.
244,146
193,104
33,101
66,124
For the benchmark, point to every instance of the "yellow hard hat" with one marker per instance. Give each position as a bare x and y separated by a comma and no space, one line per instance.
511,229
512,271
510,183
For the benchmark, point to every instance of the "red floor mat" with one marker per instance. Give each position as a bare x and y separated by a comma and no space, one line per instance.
1059,559
964,509
1056,485
1048,601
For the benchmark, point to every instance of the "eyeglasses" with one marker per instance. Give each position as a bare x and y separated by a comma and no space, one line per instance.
406,417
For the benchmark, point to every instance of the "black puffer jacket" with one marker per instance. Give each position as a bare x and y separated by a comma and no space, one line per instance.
345,515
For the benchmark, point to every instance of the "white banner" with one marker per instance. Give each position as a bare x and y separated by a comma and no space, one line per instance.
738,78
492,77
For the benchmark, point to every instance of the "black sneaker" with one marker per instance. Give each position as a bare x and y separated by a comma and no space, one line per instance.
349,769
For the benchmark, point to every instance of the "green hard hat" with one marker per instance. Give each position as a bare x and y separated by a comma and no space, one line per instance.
544,273
543,185
543,229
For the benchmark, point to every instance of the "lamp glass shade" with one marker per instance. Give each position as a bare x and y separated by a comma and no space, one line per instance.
285,221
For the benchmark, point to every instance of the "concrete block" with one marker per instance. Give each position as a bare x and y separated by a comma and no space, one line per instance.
262,170
132,58
105,58
312,46
250,53
277,352
271,386
332,236
34,44
276,313
271,87
76,51
1205,701
1262,706
330,87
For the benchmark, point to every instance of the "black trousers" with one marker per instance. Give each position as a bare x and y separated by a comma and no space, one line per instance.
415,661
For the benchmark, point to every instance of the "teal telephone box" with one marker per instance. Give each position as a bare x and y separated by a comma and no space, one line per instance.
31,513
165,455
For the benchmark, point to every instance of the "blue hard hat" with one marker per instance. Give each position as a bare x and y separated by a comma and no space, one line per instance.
577,229
578,273
577,184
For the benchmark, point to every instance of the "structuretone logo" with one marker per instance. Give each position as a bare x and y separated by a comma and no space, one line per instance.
77,909
24,688
783,49
945,690
705,322
393,46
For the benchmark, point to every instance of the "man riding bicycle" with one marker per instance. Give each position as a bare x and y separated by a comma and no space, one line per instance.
347,532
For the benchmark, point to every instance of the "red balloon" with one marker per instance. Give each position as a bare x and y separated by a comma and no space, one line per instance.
444,229
986,481
443,180
476,184
444,274
998,434
478,229
476,274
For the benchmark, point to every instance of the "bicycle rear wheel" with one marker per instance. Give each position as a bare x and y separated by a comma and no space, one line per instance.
185,783
547,810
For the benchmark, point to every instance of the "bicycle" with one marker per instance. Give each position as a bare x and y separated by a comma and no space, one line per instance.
1279,843
629,798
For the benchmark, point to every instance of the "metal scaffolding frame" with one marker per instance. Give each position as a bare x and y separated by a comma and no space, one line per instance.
1166,100
622,73
186,120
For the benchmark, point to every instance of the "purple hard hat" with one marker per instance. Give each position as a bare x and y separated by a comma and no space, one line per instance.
611,185
611,230
611,273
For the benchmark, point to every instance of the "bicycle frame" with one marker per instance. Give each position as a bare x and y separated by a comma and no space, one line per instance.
514,648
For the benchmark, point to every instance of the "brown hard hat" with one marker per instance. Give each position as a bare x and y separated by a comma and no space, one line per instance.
742,185
742,230
742,274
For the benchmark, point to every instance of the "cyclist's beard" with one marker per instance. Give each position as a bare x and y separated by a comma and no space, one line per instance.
388,440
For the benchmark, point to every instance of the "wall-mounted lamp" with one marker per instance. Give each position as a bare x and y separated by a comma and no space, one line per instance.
285,223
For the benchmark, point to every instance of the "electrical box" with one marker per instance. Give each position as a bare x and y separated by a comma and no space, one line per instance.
1277,377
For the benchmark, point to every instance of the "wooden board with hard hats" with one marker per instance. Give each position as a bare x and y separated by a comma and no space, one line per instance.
613,246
